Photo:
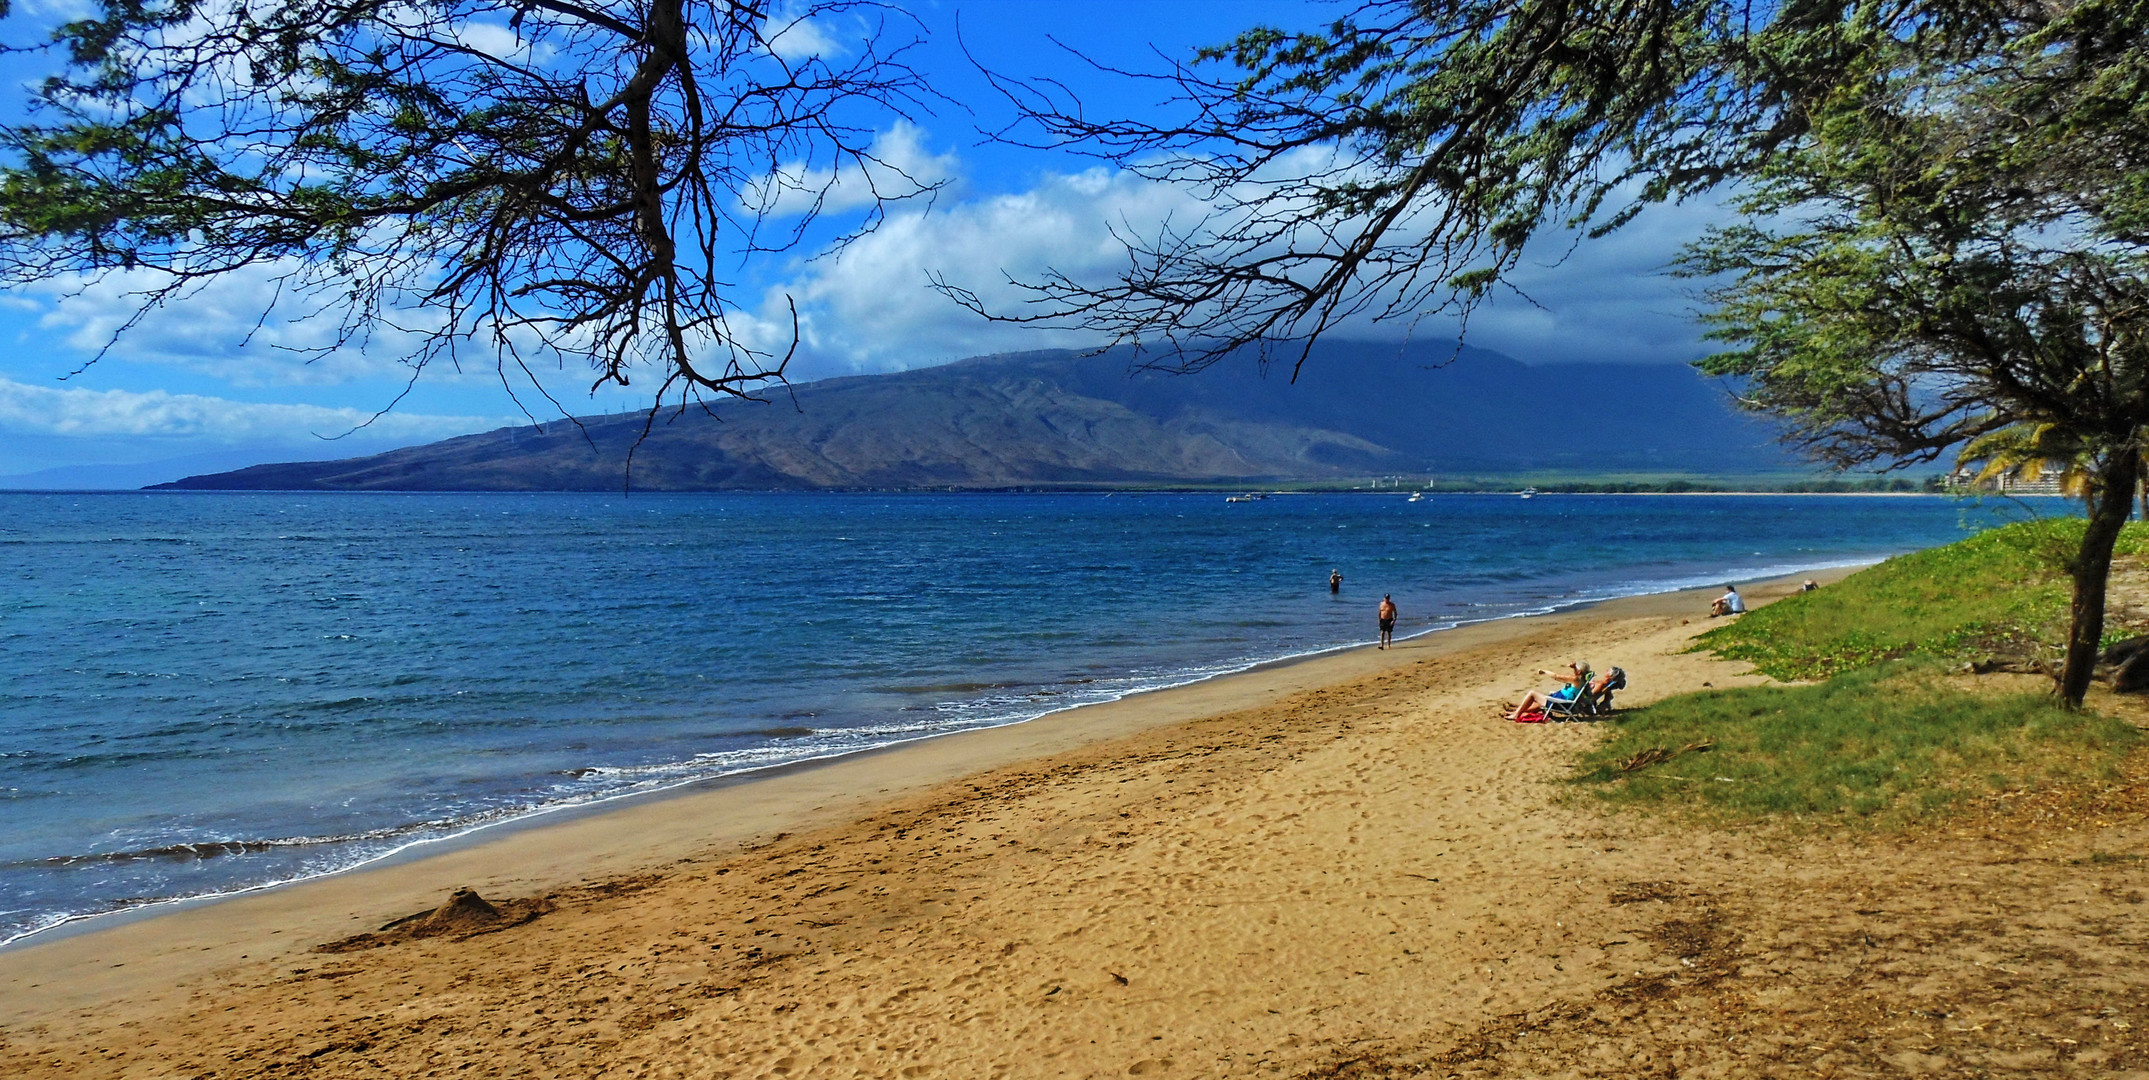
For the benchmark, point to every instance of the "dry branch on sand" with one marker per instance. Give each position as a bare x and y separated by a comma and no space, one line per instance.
1657,755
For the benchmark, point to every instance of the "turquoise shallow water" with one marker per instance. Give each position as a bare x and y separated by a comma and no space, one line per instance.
211,692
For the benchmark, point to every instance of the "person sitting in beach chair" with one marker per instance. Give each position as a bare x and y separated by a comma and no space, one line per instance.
1595,699
1534,704
1581,698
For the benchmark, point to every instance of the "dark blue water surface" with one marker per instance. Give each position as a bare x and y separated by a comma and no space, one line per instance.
208,692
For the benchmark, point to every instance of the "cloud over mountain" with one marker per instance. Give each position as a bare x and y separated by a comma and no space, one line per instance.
72,411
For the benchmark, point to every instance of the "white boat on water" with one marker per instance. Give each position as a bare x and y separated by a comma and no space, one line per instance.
1417,496
1529,493
1251,496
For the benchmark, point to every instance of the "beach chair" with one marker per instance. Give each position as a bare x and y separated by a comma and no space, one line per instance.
1581,706
1589,700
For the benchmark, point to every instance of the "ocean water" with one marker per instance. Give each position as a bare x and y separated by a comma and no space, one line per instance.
202,693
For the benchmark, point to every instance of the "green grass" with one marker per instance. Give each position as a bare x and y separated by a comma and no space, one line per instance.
1554,481
1999,591
1886,746
1886,739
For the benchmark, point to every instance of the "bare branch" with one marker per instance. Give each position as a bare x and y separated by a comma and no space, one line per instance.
572,192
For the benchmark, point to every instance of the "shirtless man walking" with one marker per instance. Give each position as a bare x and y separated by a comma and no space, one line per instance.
1387,621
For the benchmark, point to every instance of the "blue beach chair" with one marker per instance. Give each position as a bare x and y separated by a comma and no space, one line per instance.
1590,700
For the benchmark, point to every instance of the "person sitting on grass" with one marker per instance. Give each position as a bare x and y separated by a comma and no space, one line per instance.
1533,703
1731,603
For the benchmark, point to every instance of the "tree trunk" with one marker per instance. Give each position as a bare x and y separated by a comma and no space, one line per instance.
2111,502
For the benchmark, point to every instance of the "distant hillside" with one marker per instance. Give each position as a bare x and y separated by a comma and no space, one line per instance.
1047,419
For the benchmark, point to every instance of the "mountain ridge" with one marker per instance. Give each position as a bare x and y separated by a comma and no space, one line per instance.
1058,418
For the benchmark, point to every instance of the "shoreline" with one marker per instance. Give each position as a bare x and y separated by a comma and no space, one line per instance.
166,952
543,817
1099,491
1367,874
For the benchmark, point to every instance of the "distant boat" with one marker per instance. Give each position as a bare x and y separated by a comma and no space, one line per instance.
1416,495
1251,496
1529,493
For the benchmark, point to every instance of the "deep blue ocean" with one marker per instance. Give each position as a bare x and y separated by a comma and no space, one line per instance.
207,692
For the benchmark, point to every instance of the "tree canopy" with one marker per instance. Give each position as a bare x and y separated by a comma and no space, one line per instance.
1394,164
544,179
1952,258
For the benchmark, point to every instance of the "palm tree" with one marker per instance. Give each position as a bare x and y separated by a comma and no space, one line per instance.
2030,452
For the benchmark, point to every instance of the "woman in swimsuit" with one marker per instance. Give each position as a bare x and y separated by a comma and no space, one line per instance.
1533,702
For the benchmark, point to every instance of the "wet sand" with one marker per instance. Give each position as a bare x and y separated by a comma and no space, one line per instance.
1343,866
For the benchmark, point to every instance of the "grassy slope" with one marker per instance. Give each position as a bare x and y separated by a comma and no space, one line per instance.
1889,738
1889,745
1999,591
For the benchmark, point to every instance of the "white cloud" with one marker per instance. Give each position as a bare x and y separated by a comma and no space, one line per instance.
900,166
219,329
77,412
492,39
1610,299
56,10
794,34
870,308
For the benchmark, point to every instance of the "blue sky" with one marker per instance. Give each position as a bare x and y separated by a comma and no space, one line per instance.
186,392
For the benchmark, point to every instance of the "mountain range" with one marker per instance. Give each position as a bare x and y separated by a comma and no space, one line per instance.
1067,419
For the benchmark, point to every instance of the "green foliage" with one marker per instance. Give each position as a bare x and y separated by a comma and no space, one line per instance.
565,187
1451,134
1886,746
2002,590
1941,258
1639,483
1943,264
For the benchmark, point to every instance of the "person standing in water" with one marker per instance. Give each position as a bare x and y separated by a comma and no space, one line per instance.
1387,621
1335,582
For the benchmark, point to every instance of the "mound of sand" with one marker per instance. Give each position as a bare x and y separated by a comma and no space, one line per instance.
466,914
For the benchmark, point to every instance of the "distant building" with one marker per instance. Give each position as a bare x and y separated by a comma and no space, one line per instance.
2004,484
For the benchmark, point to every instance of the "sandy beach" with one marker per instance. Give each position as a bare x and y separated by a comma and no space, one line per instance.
1346,866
